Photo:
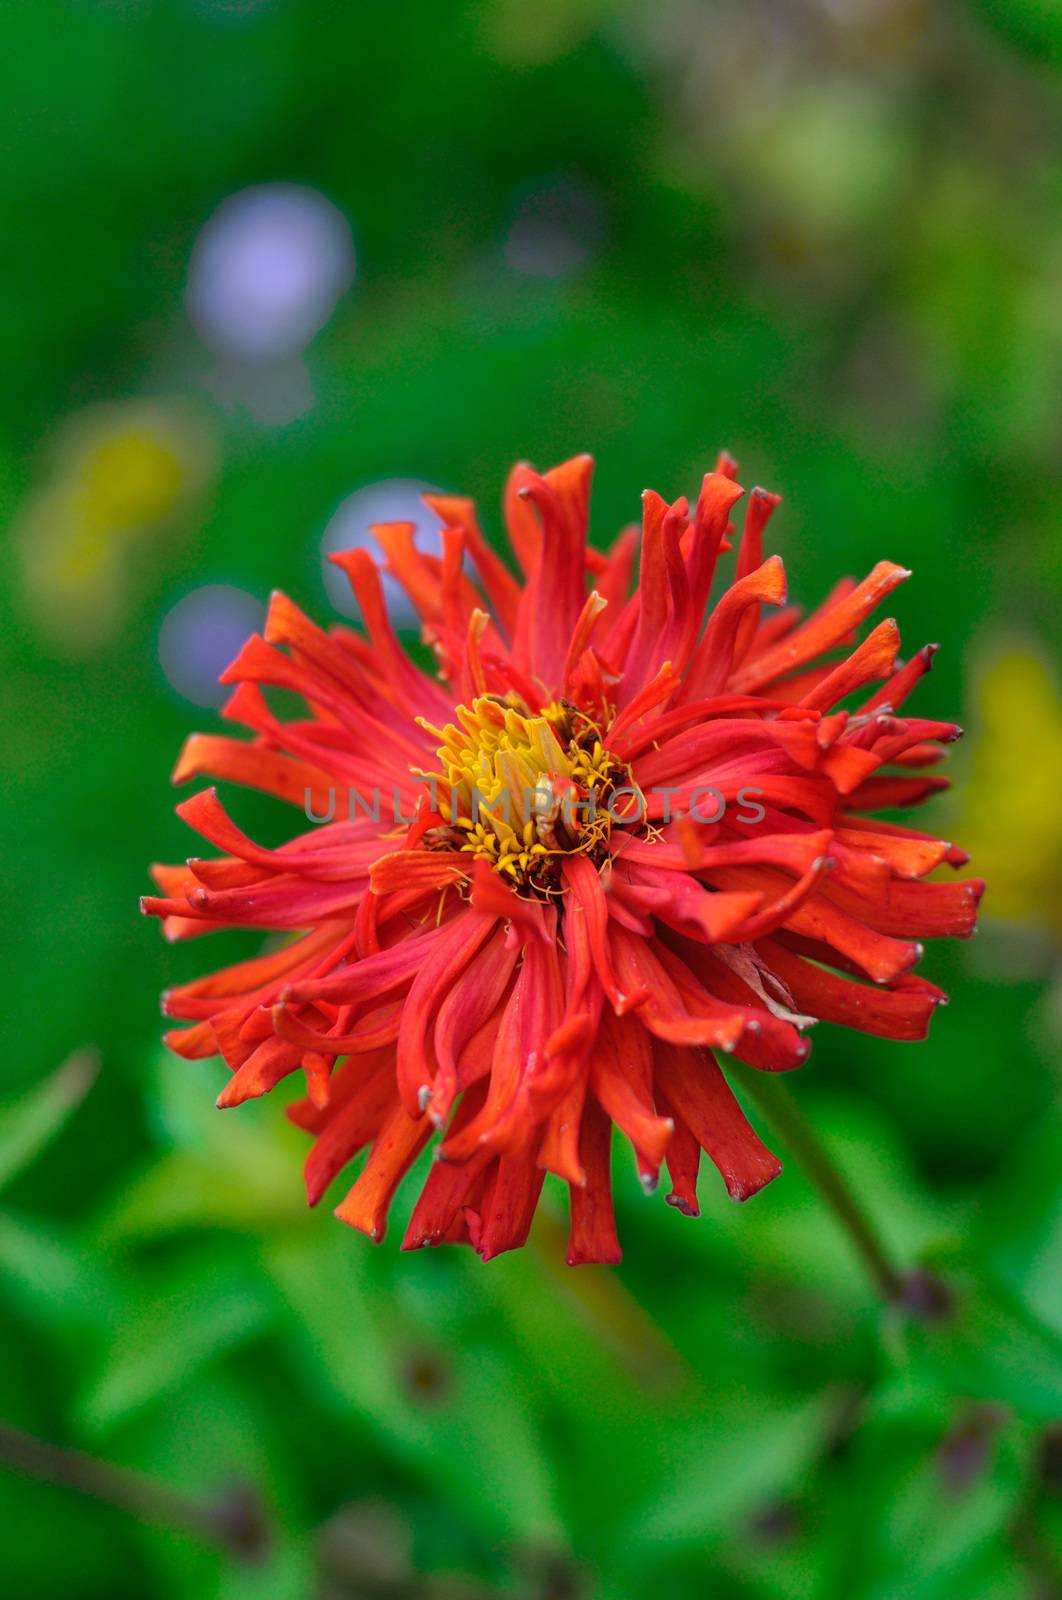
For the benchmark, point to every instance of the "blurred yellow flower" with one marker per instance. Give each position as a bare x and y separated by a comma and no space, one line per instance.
1011,819
133,477
118,472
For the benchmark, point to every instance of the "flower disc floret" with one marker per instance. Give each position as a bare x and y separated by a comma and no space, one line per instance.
523,790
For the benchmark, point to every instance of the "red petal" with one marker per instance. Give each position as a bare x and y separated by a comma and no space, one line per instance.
350,1128
397,1146
890,1013
683,1159
621,1076
873,659
694,1085
502,1220
593,1235
449,1184
822,631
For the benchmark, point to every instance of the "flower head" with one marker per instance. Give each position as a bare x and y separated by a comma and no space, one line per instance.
613,837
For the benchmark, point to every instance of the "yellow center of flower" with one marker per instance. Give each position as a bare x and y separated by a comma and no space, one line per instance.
527,789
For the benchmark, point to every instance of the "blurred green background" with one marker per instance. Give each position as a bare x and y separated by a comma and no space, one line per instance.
261,256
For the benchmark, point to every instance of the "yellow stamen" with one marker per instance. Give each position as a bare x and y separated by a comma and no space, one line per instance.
524,789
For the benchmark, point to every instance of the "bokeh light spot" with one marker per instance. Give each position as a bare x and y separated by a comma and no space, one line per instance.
268,270
391,500
557,227
201,635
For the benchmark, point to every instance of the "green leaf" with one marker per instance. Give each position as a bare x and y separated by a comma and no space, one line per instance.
990,1347
219,1169
477,1441
29,1124
1021,1226
926,1494
165,1336
737,1462
217,1435
54,1282
188,1189
287,1573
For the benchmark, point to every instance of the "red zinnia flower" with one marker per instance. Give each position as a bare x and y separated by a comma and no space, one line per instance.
624,842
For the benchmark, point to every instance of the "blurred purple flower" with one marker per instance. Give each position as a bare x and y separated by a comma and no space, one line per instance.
390,500
557,226
267,271
201,635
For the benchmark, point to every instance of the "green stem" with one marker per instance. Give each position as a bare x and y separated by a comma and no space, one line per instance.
784,1114
233,1521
